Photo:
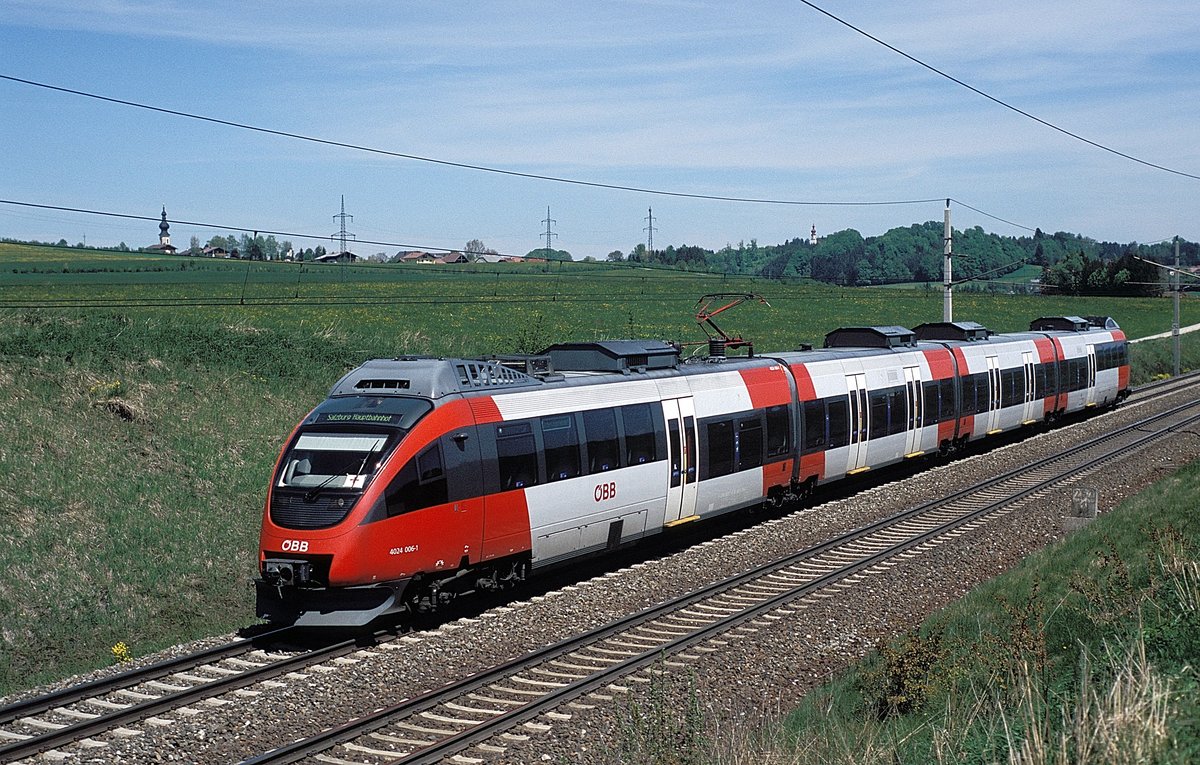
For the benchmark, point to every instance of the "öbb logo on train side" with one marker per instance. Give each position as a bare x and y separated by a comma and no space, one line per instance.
605,491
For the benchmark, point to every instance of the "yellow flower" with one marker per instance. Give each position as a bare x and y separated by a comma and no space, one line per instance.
120,652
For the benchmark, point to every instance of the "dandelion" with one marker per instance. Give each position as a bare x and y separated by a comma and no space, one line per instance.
120,652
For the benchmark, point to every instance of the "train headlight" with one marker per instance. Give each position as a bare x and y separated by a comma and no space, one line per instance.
287,572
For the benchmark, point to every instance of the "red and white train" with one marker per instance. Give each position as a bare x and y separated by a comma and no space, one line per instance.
421,478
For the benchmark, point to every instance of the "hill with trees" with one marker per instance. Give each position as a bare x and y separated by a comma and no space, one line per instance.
1074,264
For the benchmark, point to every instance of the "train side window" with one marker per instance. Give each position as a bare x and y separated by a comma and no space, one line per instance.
640,439
1075,374
719,449
839,422
814,426
749,444
779,427
517,455
561,442
931,403
420,483
878,403
1039,381
1012,386
689,446
676,454
897,410
603,447
975,393
946,396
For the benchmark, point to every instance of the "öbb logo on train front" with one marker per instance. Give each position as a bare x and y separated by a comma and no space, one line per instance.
605,491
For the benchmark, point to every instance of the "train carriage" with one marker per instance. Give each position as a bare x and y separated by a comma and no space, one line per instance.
418,479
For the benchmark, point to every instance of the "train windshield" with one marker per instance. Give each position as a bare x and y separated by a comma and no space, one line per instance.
333,460
345,439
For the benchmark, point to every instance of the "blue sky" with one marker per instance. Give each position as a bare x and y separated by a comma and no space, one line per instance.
758,99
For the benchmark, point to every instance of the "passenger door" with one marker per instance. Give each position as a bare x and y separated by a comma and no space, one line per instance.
1091,374
912,392
860,416
1031,413
682,457
993,414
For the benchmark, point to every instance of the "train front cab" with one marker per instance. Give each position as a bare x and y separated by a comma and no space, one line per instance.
343,547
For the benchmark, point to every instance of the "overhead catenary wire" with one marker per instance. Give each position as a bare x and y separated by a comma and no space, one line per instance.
994,99
577,181
460,165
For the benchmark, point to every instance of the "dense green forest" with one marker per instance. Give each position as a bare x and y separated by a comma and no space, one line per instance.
1075,264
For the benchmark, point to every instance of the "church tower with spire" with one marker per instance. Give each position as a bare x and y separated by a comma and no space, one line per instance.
164,231
164,237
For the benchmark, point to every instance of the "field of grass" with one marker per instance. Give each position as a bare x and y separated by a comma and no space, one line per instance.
147,398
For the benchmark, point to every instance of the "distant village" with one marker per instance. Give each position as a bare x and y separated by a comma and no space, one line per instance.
319,254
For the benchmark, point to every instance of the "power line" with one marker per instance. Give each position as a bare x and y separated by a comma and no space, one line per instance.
989,215
460,165
551,178
994,99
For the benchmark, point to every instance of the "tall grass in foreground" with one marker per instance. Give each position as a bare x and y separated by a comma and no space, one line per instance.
1086,653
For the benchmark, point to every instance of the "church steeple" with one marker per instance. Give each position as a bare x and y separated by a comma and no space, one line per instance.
164,229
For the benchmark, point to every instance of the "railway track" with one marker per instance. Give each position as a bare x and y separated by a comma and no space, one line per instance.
44,723
75,715
476,717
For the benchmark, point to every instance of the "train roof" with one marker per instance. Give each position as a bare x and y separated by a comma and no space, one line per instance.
585,363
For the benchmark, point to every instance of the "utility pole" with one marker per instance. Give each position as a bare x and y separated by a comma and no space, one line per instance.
1175,325
649,232
548,233
342,235
948,298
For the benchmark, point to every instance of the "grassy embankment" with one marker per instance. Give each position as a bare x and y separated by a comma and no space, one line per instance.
136,440
1086,653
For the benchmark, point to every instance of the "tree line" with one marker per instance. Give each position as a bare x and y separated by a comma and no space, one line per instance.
1071,263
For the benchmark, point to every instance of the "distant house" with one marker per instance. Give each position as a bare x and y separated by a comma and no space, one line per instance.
490,257
416,256
337,257
454,257
215,252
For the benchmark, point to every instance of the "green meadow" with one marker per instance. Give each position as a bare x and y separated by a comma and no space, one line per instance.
146,398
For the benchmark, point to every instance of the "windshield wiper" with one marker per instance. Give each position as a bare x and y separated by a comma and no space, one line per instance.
312,494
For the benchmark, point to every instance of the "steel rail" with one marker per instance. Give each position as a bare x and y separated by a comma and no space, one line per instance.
103,685
170,700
